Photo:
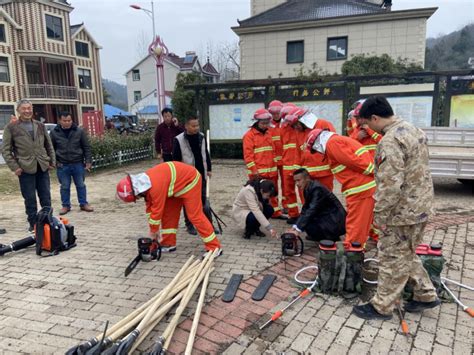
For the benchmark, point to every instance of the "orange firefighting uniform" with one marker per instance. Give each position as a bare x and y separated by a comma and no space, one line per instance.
318,167
370,141
291,162
260,159
175,184
353,167
275,131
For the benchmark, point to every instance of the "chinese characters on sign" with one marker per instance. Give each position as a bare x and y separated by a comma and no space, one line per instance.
235,96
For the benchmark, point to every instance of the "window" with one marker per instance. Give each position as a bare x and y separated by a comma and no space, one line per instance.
337,48
137,96
82,49
4,70
295,52
85,80
5,112
136,74
54,27
2,34
85,109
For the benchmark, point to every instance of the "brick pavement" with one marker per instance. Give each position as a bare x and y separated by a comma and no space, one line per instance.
50,304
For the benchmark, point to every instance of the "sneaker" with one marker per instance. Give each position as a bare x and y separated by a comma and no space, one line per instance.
31,229
292,220
87,208
168,249
367,311
417,306
191,230
64,211
219,253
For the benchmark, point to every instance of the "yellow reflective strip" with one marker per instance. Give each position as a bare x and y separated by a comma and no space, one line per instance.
371,146
267,170
148,215
249,172
375,135
249,165
369,170
169,231
290,167
302,147
276,209
277,158
209,239
173,178
155,222
292,205
276,138
361,151
338,169
358,189
289,145
317,168
189,186
262,149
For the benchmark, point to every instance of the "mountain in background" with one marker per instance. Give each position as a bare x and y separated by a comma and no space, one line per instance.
117,93
451,51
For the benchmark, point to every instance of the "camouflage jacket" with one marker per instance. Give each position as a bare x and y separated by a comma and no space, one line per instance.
404,194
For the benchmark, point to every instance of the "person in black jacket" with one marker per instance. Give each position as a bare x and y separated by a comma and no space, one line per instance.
322,215
73,157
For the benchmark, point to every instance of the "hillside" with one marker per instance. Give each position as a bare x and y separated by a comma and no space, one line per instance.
117,92
451,51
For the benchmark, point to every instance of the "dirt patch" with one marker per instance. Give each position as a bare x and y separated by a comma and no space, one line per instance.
8,182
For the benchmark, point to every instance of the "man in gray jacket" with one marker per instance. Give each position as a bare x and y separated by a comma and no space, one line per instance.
74,157
29,153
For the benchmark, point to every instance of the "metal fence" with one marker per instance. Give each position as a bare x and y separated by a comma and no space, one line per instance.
44,91
122,157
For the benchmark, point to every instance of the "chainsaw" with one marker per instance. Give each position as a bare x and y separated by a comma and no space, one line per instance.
148,250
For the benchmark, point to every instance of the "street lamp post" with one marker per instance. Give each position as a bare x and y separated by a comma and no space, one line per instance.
158,51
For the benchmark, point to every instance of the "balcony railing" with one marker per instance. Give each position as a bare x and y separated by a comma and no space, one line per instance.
44,91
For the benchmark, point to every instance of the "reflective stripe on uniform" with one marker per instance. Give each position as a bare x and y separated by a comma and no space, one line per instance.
357,189
361,150
209,239
371,146
375,135
263,149
338,169
277,158
290,167
276,138
312,169
369,170
173,179
292,205
154,222
189,186
289,146
169,231
249,165
267,170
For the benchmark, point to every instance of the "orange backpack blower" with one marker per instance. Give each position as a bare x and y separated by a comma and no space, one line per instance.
53,234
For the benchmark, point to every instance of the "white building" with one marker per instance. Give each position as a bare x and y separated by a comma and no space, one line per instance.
142,80
282,36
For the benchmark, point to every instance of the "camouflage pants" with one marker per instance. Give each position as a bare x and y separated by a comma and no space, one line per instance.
397,264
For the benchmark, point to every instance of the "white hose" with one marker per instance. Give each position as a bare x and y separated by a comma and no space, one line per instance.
367,281
312,283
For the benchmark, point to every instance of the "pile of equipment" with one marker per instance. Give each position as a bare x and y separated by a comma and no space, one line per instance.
125,336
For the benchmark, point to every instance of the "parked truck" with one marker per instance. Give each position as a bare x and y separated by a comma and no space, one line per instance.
451,152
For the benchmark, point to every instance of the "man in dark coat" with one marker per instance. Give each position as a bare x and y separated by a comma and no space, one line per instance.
322,215
74,157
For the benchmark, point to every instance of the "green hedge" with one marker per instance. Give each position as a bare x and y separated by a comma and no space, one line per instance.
106,149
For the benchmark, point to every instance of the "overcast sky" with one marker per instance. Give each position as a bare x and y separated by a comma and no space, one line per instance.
190,24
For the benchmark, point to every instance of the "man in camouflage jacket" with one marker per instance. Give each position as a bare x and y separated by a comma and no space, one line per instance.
403,203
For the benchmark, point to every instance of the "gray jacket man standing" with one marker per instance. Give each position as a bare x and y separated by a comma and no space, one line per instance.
29,153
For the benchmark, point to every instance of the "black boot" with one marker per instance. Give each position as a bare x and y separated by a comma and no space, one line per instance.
247,233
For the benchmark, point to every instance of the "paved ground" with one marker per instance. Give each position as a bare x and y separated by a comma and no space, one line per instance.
50,304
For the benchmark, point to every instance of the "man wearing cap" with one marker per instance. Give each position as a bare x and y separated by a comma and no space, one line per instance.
259,153
166,188
352,166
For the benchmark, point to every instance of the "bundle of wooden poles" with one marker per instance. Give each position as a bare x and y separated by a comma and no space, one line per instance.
125,336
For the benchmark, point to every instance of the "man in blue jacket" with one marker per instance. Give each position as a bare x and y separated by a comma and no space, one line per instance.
74,157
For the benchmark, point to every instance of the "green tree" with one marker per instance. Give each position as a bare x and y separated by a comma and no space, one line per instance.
371,65
106,95
184,100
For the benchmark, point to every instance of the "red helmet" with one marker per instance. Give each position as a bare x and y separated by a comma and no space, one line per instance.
290,117
275,106
356,111
312,136
286,109
125,190
262,114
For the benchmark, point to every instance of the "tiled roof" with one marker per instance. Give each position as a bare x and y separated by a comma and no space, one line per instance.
208,68
311,10
74,28
180,61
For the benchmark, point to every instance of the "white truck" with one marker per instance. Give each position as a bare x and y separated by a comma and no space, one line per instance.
451,152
